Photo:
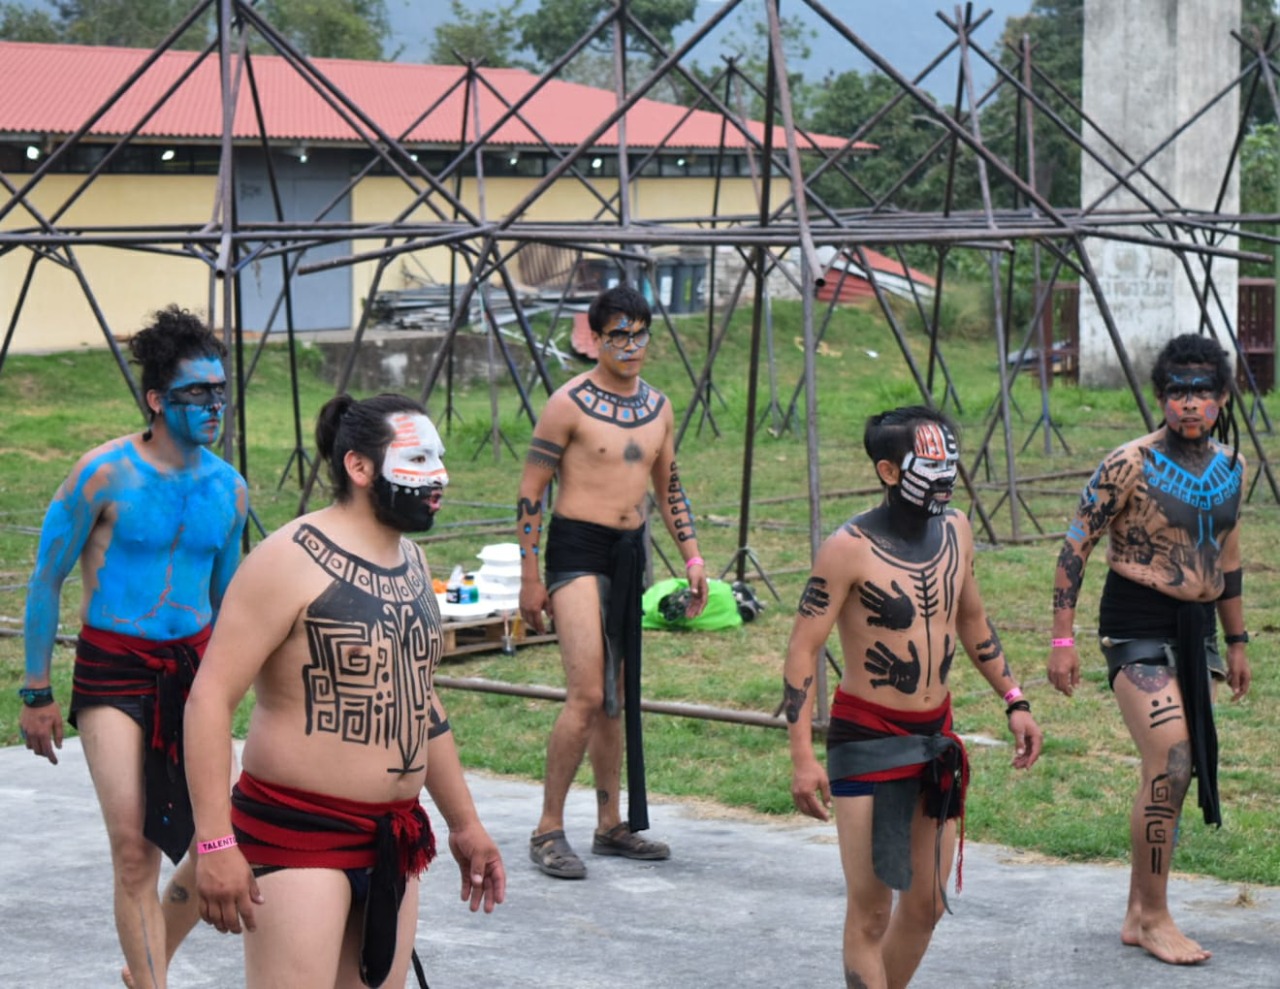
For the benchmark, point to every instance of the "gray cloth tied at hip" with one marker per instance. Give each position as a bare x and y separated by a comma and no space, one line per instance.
895,801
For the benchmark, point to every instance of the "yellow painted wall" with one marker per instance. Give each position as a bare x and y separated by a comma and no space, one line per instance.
128,285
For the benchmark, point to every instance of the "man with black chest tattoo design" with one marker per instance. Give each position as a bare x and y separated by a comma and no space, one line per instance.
607,436
898,583
316,852
1170,504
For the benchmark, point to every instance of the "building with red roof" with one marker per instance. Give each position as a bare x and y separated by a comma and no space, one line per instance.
318,148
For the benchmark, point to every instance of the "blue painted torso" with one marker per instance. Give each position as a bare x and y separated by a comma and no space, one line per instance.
166,531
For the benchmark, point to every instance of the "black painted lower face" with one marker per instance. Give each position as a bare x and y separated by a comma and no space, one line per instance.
405,509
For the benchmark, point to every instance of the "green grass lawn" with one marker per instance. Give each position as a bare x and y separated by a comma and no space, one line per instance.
1073,804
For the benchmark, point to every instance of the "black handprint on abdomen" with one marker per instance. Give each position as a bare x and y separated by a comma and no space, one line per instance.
890,670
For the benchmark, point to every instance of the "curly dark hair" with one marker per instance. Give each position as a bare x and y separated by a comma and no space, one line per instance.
619,299
173,336
346,424
1191,349
890,435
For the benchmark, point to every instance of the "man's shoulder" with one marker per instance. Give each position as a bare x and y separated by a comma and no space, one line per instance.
213,466
102,463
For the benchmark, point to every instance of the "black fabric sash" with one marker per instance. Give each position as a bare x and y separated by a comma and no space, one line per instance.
1197,702
115,666
1132,610
585,547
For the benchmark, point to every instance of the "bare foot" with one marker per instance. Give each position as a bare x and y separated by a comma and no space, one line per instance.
1130,929
1165,942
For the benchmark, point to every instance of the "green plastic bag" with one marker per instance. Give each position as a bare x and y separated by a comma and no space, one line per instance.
721,610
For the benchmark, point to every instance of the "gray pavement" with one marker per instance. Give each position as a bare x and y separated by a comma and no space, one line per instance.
745,901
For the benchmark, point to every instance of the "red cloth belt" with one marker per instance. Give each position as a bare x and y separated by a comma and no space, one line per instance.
281,826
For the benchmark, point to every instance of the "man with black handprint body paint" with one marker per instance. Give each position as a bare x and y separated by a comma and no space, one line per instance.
898,583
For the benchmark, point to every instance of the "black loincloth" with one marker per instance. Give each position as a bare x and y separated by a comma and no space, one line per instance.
580,547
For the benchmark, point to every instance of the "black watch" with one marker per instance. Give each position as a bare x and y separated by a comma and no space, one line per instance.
36,696
1232,640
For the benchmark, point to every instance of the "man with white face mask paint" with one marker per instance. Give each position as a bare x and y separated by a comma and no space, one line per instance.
929,468
333,622
898,582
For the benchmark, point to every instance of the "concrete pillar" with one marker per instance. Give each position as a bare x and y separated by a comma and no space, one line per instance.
1149,66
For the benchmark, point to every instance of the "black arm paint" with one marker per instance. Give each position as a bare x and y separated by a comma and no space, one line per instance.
794,699
679,508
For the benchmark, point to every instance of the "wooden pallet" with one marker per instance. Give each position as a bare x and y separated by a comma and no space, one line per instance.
489,634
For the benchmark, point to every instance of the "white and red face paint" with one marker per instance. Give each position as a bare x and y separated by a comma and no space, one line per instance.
407,490
1192,402
929,469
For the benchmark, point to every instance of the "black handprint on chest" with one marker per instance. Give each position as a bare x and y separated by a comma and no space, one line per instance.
894,611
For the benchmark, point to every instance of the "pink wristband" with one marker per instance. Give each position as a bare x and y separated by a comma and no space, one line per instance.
217,845
1013,695
694,561
1067,643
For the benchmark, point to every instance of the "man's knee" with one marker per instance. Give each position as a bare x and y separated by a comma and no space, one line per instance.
920,910
585,703
137,865
1169,777
868,922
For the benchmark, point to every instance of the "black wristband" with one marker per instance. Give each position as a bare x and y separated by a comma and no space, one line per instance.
1018,705
1232,640
36,696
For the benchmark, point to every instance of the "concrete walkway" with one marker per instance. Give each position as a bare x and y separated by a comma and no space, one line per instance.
745,901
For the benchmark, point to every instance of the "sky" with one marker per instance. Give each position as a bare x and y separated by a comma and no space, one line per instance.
907,33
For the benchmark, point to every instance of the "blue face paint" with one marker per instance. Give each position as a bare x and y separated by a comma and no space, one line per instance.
193,405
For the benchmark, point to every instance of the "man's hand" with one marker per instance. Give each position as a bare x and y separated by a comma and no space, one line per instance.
534,600
484,878
1239,676
226,890
697,591
810,789
41,729
1028,739
1064,669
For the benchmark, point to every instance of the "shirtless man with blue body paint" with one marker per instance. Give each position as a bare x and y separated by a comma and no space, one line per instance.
154,520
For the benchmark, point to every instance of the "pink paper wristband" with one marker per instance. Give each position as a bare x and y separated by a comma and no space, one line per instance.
694,561
1067,643
1013,695
217,845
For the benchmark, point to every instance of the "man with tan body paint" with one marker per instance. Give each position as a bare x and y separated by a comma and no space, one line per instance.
898,583
606,435
1170,504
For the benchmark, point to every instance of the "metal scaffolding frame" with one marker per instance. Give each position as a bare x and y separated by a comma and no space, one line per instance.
782,238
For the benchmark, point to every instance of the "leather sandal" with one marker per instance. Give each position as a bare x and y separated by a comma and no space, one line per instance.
551,853
621,840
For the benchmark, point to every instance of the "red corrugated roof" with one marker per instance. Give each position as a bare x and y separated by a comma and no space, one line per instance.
54,89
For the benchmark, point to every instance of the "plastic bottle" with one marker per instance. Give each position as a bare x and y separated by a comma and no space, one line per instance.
470,592
453,589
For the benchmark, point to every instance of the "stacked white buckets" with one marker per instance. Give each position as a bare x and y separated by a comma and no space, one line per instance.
498,579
